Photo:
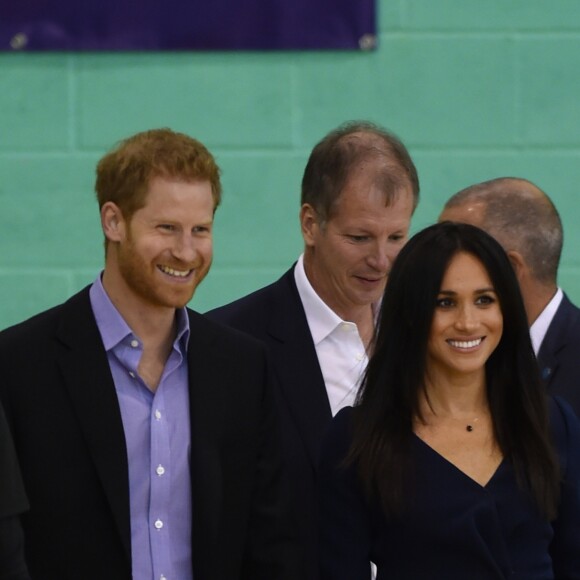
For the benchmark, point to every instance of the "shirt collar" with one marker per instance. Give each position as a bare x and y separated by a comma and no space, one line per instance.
540,326
322,320
113,327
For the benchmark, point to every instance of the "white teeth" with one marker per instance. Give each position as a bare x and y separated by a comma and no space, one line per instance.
176,273
465,343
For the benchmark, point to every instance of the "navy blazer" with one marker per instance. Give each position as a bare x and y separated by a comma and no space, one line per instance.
559,355
13,502
275,315
61,403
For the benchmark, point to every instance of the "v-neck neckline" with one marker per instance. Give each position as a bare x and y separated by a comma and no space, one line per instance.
457,469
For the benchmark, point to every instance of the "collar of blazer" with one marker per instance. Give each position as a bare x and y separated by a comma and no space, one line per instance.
296,364
86,376
559,335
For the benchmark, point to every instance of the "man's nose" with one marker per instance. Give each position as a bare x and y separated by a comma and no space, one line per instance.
184,248
379,258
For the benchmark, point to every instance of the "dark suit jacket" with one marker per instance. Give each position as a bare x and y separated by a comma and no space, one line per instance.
13,502
275,315
559,354
61,403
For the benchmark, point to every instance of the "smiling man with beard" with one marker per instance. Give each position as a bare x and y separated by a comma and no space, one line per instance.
146,434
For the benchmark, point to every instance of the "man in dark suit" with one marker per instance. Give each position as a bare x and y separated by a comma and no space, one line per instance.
526,223
146,434
359,190
13,503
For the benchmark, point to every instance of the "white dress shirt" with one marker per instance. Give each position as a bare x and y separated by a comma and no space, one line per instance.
341,352
540,326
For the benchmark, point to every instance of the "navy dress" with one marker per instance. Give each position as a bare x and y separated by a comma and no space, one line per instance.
453,529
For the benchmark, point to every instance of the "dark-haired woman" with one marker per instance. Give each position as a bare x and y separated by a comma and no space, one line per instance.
452,465
12,503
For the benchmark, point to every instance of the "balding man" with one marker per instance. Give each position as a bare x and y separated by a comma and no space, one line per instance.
359,190
526,223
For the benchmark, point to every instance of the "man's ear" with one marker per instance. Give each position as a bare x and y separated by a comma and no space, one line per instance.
518,264
309,224
112,222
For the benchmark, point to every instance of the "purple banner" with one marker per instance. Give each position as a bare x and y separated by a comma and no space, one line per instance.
95,25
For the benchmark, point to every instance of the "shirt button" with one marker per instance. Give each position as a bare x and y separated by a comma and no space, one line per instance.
134,343
158,524
162,577
359,356
160,470
132,374
157,414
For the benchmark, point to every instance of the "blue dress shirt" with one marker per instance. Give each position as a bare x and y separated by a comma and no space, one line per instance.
157,436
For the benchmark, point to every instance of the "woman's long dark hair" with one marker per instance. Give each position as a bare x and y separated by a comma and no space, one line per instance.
389,396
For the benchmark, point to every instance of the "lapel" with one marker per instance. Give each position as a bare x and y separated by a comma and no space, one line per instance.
207,409
83,362
556,338
296,363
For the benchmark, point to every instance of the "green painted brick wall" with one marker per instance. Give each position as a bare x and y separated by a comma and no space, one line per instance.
476,90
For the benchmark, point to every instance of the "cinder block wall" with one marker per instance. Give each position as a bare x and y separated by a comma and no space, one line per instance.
476,89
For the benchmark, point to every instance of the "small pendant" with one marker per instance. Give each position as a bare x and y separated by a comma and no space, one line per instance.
469,428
